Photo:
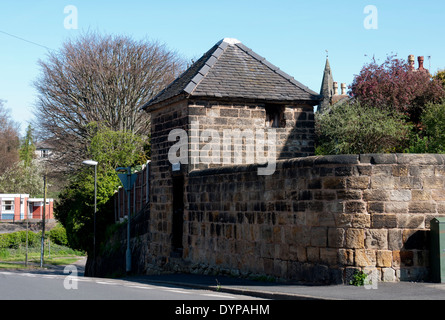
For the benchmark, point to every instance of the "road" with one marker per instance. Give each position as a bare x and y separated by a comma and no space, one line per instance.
22,285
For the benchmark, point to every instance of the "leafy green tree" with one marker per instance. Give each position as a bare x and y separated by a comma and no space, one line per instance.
352,128
440,75
75,207
431,139
27,148
114,149
20,178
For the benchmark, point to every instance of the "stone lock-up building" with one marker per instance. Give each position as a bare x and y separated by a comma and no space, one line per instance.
229,91
309,218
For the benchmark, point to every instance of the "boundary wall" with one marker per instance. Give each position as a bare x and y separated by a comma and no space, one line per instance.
317,219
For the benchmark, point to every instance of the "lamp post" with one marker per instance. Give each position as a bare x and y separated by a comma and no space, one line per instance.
94,163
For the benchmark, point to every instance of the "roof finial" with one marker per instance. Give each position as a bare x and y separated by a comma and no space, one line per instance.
327,53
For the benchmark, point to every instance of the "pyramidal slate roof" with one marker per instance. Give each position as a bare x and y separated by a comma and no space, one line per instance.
231,70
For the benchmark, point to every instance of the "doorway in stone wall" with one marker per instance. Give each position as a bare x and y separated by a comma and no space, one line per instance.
178,214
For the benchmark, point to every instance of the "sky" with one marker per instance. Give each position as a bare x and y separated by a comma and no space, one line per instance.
292,34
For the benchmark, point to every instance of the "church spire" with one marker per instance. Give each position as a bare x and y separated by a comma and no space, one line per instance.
327,86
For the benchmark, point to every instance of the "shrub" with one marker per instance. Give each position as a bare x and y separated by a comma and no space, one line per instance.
430,136
17,239
352,128
58,235
11,240
358,279
433,122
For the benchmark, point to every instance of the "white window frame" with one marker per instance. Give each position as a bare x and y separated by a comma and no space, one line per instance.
11,204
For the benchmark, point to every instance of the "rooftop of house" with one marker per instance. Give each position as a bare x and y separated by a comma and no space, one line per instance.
45,144
232,70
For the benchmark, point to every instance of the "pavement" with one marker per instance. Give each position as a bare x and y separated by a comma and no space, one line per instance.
286,291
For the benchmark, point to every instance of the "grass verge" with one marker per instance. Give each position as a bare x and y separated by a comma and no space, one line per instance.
54,254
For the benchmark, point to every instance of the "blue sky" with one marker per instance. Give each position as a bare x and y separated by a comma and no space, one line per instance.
291,34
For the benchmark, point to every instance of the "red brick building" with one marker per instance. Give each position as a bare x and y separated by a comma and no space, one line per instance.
16,207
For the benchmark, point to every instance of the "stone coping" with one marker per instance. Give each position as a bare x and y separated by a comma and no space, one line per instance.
375,158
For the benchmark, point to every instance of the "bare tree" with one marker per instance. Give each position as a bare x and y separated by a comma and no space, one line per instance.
103,80
9,139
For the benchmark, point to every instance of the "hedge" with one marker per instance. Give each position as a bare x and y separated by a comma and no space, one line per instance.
16,239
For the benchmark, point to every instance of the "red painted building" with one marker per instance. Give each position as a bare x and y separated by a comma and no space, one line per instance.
16,207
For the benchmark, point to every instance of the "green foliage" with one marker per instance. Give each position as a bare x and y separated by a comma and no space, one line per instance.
27,148
418,144
13,248
58,235
433,120
430,138
440,75
20,178
4,254
394,89
75,208
358,279
16,239
353,128
114,149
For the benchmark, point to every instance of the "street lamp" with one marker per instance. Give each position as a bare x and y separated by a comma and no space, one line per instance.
94,163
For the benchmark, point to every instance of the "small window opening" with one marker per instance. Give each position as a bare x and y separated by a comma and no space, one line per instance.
275,116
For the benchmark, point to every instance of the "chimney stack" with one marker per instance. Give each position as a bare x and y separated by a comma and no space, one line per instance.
335,88
343,89
411,62
420,60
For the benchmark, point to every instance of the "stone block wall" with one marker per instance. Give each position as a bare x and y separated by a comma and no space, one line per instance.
164,120
294,138
317,219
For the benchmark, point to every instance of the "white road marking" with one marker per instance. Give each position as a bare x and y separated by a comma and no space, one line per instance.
28,275
143,287
109,283
177,291
140,287
218,296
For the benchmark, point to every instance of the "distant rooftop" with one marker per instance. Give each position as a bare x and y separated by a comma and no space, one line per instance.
232,70
45,144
